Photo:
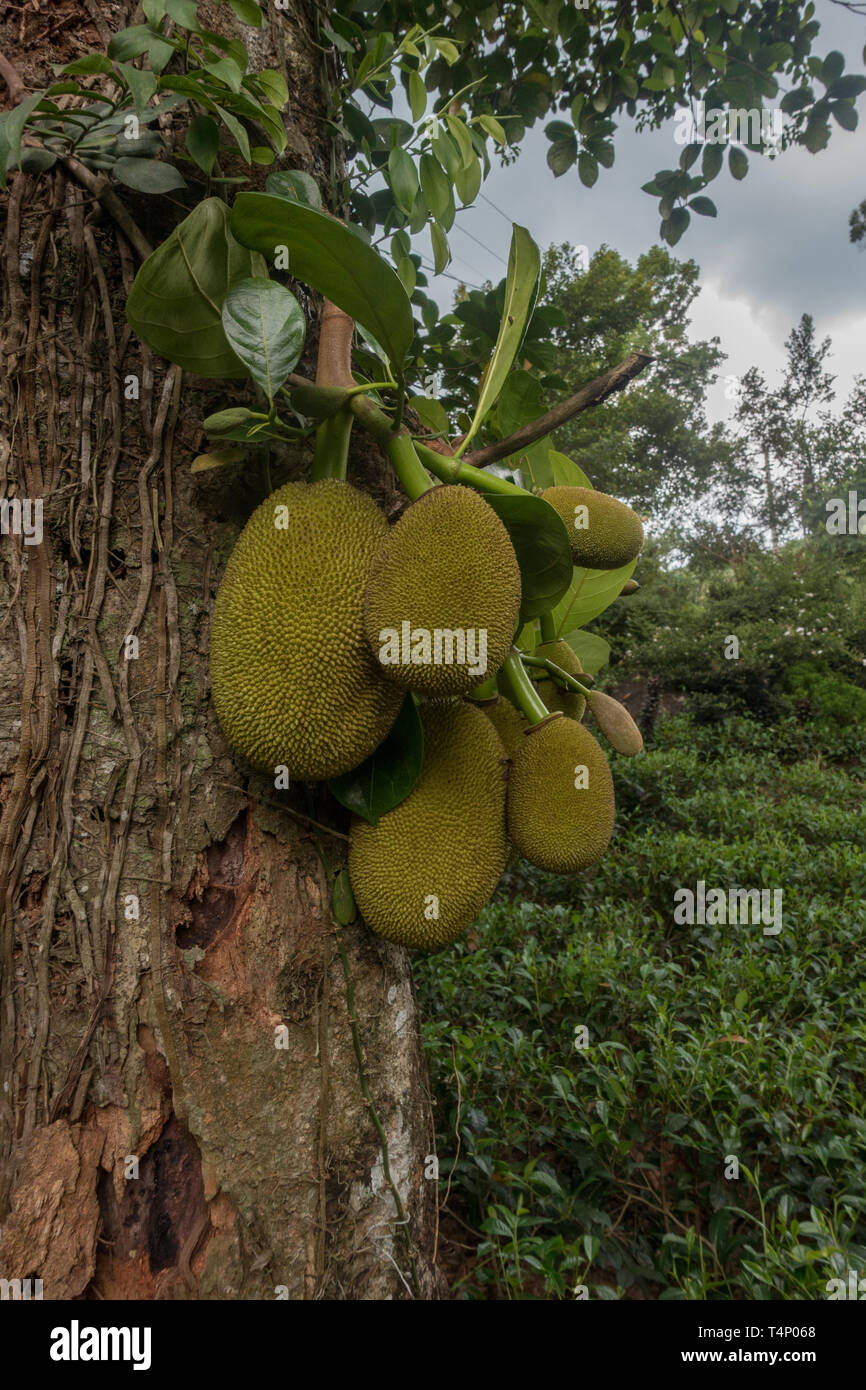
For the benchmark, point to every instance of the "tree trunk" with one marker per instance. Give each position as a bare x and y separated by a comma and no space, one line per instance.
183,1111
771,500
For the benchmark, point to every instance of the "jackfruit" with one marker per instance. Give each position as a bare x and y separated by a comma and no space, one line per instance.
294,682
443,596
556,697
508,722
423,874
604,533
616,724
560,797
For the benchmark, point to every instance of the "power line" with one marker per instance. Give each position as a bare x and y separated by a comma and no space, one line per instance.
497,208
461,280
488,249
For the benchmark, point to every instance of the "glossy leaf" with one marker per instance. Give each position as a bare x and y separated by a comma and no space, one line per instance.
388,775
265,326
521,288
217,459
175,304
330,258
403,178
542,548
147,175
592,650
295,185
247,12
203,142
565,473
589,593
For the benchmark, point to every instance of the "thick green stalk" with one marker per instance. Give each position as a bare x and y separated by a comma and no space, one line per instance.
397,444
548,628
488,691
332,446
452,470
557,672
524,693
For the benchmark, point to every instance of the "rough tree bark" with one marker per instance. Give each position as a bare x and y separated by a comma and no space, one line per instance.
164,912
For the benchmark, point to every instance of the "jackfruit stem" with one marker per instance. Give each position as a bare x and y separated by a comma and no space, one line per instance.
548,628
569,681
450,469
488,691
331,454
397,444
524,693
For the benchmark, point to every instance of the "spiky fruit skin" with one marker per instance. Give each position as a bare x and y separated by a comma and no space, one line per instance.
448,565
568,702
292,676
551,822
613,535
508,722
445,843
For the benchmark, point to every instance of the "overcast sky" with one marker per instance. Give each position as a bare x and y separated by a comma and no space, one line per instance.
778,248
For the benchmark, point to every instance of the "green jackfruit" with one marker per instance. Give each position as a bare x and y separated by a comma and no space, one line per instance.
604,533
294,682
508,722
443,595
568,702
560,797
423,874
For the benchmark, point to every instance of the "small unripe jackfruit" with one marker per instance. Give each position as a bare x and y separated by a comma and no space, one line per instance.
423,874
443,596
556,697
508,722
560,797
604,533
616,724
293,679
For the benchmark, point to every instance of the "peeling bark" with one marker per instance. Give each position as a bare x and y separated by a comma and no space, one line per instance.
181,1111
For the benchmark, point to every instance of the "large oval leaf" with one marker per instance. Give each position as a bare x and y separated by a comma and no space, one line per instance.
175,304
541,544
265,326
589,593
333,260
593,651
565,472
521,288
389,774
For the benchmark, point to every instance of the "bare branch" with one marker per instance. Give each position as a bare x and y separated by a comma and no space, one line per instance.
592,394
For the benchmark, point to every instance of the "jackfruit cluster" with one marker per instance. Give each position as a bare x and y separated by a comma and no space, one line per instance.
604,533
443,597
293,679
423,874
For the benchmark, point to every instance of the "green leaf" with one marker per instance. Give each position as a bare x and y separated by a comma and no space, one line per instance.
203,141
434,185
343,904
430,412
564,472
542,548
405,268
234,127
704,206
462,138
184,13
833,66
468,182
592,650
389,774
141,83
176,299
738,162
265,326
712,160
235,423
147,175
297,186
520,402
589,593
674,226
217,458
587,168
417,95
273,84
12,125
441,253
494,128
521,288
131,43
226,71
90,63
562,155
844,114
847,87
247,12
448,154
327,256
403,178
